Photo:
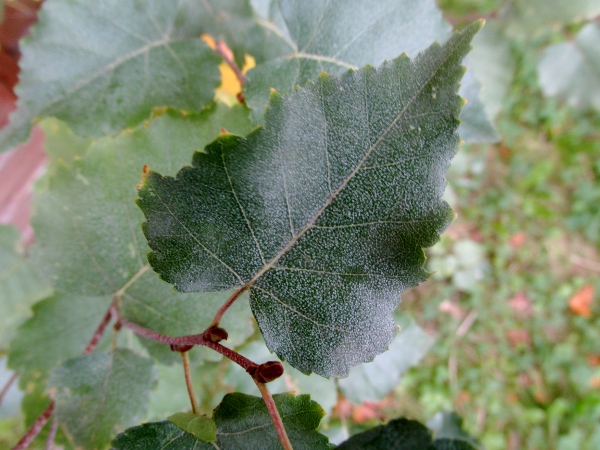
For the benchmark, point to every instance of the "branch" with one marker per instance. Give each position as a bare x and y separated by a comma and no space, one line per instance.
35,429
51,435
188,381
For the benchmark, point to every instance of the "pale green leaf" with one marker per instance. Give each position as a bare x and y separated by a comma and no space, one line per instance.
202,427
100,393
321,215
335,36
60,329
103,66
373,381
88,234
447,426
571,71
20,284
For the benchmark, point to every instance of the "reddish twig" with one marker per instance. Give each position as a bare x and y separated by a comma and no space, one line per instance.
98,333
224,52
35,429
227,305
52,435
188,381
8,384
272,408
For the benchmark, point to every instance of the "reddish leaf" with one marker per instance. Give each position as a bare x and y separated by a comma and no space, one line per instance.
521,305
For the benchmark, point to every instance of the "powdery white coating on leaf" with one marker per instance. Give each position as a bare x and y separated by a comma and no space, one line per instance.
323,213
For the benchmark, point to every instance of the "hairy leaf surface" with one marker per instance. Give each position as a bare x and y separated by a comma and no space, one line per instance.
242,422
103,66
100,393
321,215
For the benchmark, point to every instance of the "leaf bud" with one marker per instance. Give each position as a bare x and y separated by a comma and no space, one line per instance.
181,348
269,371
217,334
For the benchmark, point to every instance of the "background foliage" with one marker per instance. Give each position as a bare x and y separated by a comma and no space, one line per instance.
510,308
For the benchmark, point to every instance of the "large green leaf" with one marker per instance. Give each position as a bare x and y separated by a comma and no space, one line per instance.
101,393
335,36
20,285
321,215
571,71
103,66
89,241
242,422
374,380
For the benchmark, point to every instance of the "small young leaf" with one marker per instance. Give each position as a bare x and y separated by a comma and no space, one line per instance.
321,215
103,66
243,422
200,426
100,393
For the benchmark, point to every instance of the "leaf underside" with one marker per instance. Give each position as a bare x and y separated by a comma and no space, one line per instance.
322,214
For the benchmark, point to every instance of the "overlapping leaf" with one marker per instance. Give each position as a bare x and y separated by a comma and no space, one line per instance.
571,71
242,422
321,215
103,66
100,393
335,36
318,36
89,241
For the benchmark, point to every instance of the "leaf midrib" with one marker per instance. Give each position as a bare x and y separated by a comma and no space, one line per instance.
343,185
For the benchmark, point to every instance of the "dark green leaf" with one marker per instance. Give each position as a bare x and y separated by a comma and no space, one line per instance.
60,328
100,393
374,380
321,215
20,285
103,66
571,71
399,434
200,426
243,422
335,36
159,435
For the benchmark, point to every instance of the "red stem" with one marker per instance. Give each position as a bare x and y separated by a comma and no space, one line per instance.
188,381
8,384
98,333
223,52
35,428
227,305
272,408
